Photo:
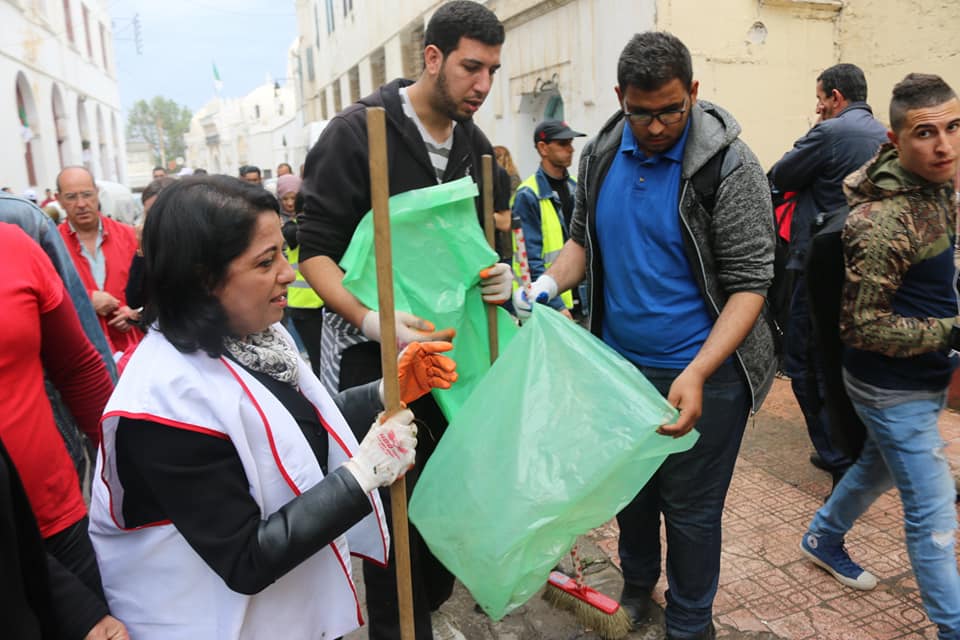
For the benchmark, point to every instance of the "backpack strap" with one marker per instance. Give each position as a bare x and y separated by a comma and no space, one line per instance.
706,181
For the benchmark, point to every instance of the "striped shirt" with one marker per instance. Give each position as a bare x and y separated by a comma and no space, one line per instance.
439,152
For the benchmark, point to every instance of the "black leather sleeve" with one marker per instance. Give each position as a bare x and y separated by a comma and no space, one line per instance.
306,524
198,482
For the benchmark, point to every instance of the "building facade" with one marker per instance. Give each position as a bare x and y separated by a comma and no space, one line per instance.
140,164
59,101
262,128
757,58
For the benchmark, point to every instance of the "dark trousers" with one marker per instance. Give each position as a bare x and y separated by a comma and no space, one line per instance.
689,490
432,583
309,324
73,549
803,367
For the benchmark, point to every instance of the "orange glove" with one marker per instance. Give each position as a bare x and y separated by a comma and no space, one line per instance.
421,368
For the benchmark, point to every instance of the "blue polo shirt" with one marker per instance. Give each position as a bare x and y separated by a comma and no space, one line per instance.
654,314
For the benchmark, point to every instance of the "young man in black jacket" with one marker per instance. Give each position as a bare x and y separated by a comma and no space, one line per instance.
431,138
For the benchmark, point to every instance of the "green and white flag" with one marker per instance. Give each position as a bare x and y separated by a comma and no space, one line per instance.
217,82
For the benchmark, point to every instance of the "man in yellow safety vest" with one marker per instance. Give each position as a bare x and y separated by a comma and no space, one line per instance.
544,204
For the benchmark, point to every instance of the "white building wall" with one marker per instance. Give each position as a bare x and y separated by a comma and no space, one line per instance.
757,58
394,58
227,133
543,38
35,48
366,77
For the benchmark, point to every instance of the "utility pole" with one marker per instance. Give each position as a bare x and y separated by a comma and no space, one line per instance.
137,34
163,151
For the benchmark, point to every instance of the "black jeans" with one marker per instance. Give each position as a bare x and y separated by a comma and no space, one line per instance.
72,547
432,583
688,491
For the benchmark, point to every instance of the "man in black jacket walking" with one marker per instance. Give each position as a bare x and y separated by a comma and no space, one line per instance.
846,136
431,138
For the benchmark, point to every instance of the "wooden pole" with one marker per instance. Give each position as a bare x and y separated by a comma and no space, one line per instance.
486,200
380,201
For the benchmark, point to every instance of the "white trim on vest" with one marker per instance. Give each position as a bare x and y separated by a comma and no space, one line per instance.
154,581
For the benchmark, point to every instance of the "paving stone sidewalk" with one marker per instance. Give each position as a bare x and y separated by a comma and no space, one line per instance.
767,591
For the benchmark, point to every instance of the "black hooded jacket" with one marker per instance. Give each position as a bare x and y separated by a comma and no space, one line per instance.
336,183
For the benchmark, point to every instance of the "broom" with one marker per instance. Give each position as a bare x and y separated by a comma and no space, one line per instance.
380,203
591,608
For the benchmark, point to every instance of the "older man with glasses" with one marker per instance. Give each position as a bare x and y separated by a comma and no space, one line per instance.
673,228
102,250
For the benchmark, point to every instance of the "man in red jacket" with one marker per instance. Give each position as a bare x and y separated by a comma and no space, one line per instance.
102,250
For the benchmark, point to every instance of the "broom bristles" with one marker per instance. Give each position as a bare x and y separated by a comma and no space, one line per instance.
564,593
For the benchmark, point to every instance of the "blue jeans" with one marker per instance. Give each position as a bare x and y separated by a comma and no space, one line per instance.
805,377
689,490
904,448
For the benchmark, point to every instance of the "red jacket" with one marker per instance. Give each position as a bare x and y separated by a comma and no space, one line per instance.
119,246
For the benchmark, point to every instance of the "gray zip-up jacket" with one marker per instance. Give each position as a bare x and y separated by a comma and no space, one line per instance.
730,249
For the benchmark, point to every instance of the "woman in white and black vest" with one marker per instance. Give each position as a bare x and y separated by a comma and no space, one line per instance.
230,489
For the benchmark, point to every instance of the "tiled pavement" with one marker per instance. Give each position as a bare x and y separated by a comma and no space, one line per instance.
767,591
765,585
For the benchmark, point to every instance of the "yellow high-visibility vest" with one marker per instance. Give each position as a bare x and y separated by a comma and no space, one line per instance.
300,295
552,233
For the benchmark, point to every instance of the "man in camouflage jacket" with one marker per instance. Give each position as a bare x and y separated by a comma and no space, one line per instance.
899,328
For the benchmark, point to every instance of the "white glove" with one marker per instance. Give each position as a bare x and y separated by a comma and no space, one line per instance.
386,453
410,328
543,291
496,283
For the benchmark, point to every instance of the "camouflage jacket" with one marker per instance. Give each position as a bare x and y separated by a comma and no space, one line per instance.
897,223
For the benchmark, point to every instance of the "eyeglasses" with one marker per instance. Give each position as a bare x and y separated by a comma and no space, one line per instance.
85,195
667,117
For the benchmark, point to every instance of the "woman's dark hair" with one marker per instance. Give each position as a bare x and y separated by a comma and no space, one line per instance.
195,229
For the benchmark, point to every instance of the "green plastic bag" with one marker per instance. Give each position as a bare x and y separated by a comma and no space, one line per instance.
557,439
438,253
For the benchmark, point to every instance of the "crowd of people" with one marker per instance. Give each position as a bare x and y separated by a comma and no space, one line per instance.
234,476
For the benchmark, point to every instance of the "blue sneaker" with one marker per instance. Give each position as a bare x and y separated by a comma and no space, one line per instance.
829,553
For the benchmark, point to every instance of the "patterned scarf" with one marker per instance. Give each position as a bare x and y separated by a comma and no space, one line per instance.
267,352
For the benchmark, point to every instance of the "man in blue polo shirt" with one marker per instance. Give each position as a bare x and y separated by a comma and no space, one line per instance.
673,228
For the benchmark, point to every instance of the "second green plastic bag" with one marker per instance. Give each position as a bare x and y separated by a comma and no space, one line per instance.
553,442
438,253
